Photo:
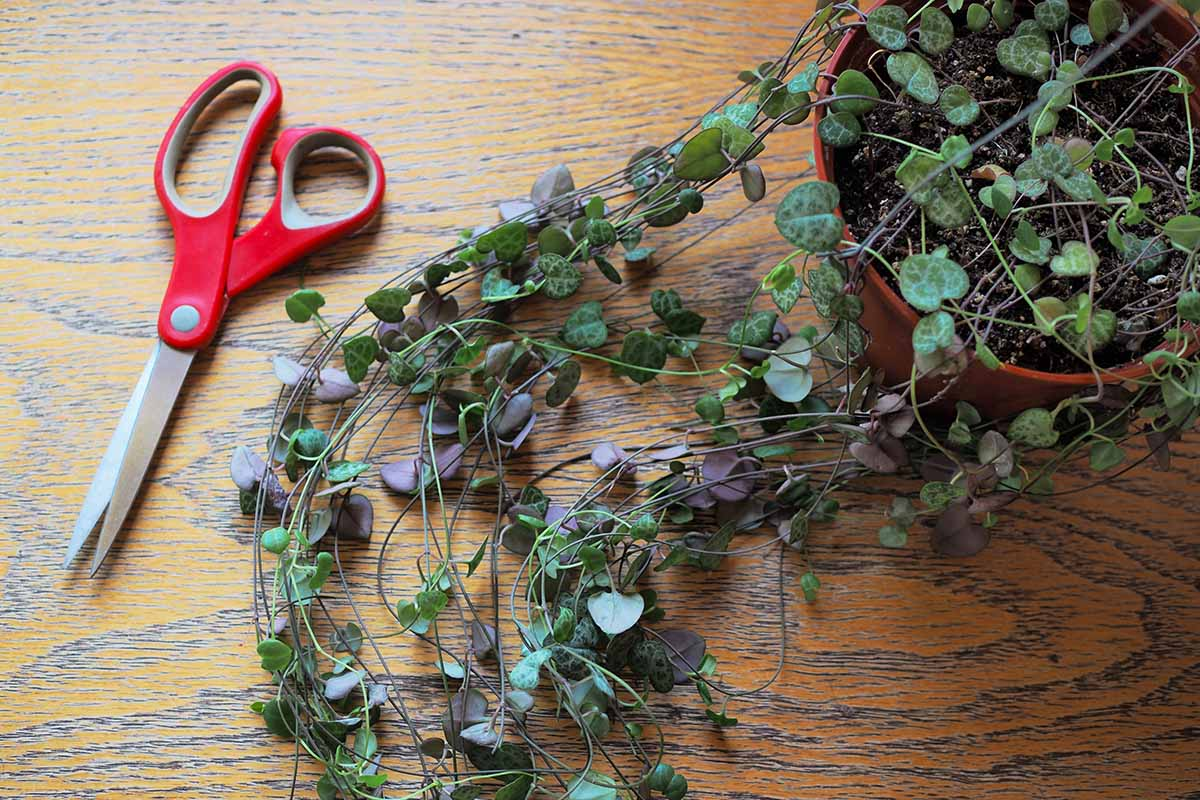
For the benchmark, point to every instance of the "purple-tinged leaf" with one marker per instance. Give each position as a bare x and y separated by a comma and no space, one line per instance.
401,476
871,456
700,498
517,538
516,209
339,686
334,386
743,515
556,513
246,468
685,649
444,421
447,459
955,535
516,442
466,708
354,518
607,455
483,640
670,453
722,469
514,415
991,502
288,371
277,498
434,310
377,694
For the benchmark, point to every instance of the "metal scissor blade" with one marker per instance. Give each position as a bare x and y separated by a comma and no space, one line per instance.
101,489
167,369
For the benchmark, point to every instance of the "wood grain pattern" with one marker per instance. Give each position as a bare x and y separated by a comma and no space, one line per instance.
1064,662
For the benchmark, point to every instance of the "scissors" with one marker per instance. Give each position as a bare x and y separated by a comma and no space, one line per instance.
212,265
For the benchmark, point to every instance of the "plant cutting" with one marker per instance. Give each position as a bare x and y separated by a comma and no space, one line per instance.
574,631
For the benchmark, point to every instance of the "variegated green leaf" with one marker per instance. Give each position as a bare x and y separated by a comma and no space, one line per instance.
933,332
839,129
937,31
886,25
927,279
914,76
1025,55
1076,259
805,217
958,105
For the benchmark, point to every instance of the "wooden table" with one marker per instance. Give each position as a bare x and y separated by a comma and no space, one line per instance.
1062,662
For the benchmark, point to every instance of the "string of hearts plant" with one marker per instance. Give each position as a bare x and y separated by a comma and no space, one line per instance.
544,621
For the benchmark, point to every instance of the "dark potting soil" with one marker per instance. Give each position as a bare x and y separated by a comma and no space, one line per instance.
865,177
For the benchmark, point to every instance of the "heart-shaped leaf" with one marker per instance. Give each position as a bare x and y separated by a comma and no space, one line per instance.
1025,55
563,278
1082,187
1028,246
753,331
788,377
565,381
839,129
914,76
701,158
585,326
806,79
1033,427
553,239
1028,182
359,354
642,354
886,25
685,649
1000,195
1075,260
933,332
509,241
1051,15
977,17
275,655
1081,35
957,150
994,451
956,535
1183,231
388,303
1104,18
937,31
805,217
302,304
958,105
1105,455
854,82
614,612
1050,160
551,185
926,279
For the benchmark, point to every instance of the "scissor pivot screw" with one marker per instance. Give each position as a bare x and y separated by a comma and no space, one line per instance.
185,318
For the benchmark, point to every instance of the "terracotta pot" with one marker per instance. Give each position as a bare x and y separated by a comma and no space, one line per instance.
890,320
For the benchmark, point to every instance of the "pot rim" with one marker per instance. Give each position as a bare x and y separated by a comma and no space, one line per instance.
823,161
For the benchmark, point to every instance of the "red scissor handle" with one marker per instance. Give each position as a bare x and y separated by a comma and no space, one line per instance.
288,232
210,264
195,297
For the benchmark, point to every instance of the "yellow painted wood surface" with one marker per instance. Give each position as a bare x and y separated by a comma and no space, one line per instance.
1062,662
